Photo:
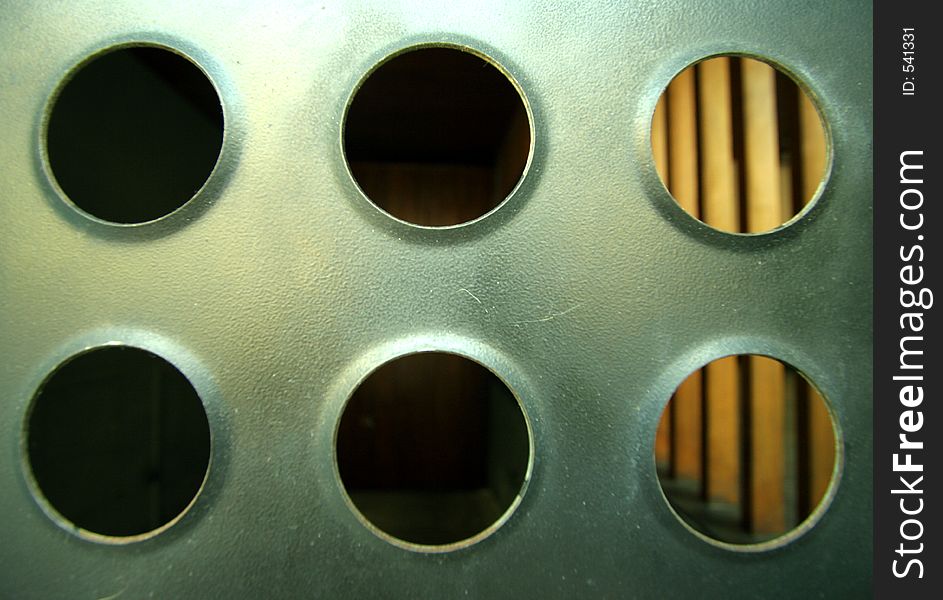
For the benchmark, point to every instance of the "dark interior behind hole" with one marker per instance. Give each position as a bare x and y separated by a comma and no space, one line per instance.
433,448
134,134
437,136
118,441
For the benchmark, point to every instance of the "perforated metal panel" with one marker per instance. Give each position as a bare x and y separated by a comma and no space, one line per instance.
589,291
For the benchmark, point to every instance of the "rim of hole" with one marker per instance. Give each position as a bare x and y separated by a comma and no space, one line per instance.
803,89
452,546
803,526
460,47
70,74
51,512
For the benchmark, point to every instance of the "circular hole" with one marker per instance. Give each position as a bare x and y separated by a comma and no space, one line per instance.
118,442
134,133
738,144
437,136
746,450
433,450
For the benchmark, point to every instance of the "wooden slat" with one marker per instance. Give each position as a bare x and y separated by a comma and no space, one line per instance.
722,394
663,439
768,460
813,147
717,159
822,447
761,146
687,444
764,207
660,154
682,141
660,138
719,201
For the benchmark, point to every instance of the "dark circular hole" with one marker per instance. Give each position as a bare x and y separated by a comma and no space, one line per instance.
437,136
134,134
118,441
746,450
433,448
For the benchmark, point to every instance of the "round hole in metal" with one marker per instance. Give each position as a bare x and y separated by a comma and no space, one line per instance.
117,443
747,451
433,451
437,136
133,134
738,144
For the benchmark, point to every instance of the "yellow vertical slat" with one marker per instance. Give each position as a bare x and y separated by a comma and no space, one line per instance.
719,196
813,147
682,142
821,446
660,138
768,460
761,146
719,177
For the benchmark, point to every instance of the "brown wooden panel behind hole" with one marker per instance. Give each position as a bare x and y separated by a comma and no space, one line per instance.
437,136
429,194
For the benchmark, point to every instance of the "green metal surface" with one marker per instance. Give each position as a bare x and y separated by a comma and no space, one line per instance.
589,291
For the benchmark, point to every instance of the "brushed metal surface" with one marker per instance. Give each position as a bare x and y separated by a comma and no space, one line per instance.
279,286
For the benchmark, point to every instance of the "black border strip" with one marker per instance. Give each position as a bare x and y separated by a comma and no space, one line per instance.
906,92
